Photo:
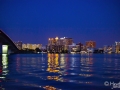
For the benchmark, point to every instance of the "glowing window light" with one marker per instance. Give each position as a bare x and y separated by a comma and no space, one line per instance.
2,77
4,49
56,38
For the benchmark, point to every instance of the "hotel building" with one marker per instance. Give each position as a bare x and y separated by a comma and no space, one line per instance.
59,44
31,46
117,44
90,44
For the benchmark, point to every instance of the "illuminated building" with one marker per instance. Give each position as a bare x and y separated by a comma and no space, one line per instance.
60,41
105,49
83,49
59,44
109,49
74,48
24,46
117,44
53,41
80,46
18,44
113,48
90,50
31,46
55,48
67,41
90,44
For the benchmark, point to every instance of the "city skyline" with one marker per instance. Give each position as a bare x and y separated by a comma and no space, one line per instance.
56,45
84,43
50,40
36,21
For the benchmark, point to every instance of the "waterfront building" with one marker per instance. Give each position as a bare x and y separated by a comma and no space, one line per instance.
55,48
90,50
109,48
58,44
113,48
80,46
105,48
84,48
90,44
60,41
53,41
74,48
68,41
117,47
31,46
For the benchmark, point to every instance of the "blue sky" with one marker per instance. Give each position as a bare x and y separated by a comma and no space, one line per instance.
34,21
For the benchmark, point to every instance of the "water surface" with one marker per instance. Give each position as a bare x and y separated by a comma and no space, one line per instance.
59,71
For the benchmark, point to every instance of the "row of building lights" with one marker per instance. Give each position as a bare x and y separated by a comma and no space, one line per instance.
67,44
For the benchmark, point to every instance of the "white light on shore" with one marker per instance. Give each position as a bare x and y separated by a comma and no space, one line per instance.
4,49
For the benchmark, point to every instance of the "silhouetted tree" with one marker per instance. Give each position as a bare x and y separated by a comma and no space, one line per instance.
37,50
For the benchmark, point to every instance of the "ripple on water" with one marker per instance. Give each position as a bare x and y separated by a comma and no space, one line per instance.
59,71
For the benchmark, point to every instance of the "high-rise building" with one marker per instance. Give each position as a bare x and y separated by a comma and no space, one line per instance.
90,44
53,41
80,46
68,41
60,41
59,44
117,44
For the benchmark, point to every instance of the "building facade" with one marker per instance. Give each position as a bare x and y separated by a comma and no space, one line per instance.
58,44
90,44
117,47
109,49
31,46
105,48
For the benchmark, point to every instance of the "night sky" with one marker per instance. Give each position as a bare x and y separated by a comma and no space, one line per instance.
34,21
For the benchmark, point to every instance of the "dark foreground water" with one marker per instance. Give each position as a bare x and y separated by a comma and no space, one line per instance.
60,72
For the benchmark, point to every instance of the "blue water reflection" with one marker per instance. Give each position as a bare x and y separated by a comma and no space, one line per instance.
59,71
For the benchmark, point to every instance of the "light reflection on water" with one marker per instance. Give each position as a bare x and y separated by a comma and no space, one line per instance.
59,71
4,66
